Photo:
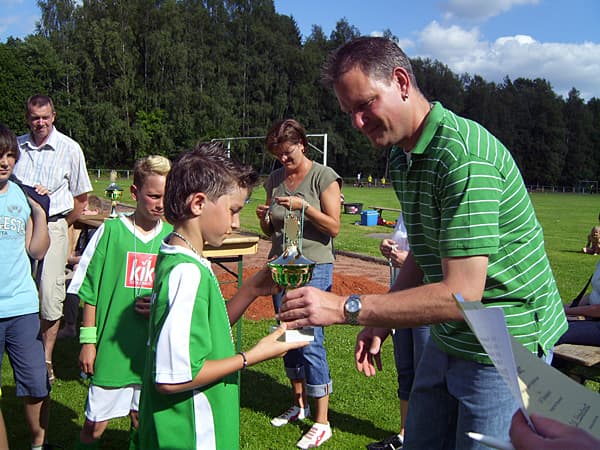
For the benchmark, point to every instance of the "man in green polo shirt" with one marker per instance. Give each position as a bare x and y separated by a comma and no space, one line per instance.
472,230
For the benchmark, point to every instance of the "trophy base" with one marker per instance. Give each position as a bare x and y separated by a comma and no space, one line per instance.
304,334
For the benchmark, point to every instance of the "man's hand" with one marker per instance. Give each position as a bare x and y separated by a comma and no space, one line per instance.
309,306
551,435
368,350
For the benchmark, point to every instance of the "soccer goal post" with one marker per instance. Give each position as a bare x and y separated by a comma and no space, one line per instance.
587,186
322,150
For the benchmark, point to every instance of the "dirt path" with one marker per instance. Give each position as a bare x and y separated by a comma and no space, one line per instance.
350,275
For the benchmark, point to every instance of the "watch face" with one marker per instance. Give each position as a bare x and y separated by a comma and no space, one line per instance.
352,305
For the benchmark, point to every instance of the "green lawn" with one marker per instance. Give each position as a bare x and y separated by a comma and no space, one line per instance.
362,410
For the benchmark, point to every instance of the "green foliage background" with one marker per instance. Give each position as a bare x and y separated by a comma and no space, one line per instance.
133,77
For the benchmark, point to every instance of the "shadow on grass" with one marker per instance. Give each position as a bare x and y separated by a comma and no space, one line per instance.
577,251
261,392
66,359
63,426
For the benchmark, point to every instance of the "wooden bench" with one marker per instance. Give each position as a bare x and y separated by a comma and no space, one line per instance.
384,208
580,361
380,209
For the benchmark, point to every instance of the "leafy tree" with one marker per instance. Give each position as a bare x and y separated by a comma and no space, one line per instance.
132,77
579,163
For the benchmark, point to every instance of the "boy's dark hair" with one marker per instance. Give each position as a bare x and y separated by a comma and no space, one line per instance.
8,142
207,169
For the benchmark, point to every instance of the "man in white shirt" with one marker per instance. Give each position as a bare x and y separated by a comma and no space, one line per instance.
52,160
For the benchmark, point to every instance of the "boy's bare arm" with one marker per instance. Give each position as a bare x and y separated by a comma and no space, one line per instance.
37,239
261,283
79,203
87,355
268,347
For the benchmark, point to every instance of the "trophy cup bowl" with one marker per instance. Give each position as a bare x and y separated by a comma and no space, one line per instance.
292,270
290,276
113,192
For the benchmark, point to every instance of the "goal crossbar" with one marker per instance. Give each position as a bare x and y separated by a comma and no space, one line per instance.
322,151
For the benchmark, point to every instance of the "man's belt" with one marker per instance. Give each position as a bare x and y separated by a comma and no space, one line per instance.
56,217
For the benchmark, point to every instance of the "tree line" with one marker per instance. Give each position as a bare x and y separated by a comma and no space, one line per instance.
136,77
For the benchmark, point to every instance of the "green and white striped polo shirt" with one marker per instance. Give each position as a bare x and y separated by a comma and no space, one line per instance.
462,195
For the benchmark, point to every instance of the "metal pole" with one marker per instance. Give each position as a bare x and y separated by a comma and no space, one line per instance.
325,149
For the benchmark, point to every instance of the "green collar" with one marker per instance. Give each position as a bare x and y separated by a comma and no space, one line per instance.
432,122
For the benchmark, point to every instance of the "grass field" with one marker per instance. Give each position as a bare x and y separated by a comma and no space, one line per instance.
362,410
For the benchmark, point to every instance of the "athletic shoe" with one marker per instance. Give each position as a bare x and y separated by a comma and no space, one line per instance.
390,443
318,434
291,415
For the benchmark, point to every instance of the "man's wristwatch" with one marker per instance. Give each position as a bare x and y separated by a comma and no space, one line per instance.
352,308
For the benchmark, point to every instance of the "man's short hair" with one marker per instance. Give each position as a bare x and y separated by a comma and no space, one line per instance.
208,169
377,57
8,142
39,100
150,165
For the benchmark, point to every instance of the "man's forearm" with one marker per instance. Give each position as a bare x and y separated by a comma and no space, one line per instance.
418,306
79,203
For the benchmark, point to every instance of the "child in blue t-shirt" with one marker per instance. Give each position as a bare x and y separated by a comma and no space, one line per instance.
23,234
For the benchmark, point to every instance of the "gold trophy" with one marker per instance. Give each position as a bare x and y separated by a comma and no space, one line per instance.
292,270
113,192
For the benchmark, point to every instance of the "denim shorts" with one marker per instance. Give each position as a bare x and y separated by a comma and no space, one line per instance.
452,396
310,363
409,344
20,337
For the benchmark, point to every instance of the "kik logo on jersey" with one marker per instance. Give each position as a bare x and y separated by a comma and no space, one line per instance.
140,270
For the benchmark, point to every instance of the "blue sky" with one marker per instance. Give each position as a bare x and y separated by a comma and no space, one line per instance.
558,40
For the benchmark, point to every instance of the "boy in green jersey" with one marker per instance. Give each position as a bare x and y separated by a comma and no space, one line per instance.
190,392
114,279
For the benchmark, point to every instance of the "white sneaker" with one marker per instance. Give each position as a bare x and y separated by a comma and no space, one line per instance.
291,415
318,434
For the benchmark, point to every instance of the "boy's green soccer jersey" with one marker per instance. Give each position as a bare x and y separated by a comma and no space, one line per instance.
116,267
189,325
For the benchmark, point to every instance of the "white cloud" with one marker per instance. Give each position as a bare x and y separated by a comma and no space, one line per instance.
479,10
7,22
456,42
19,26
564,65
